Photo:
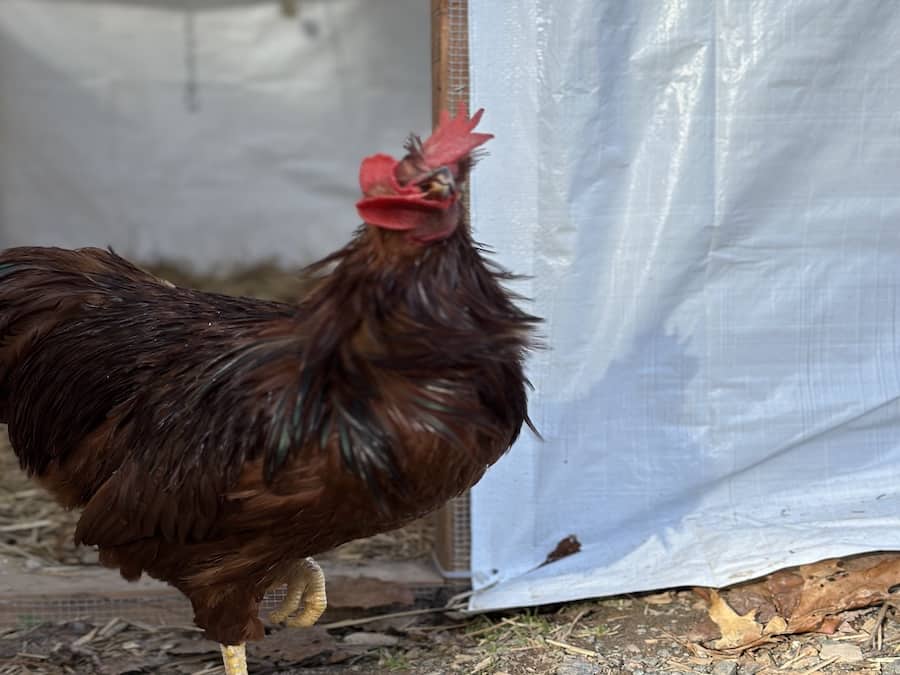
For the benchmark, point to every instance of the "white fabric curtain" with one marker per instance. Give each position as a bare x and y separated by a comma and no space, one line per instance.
706,194
215,132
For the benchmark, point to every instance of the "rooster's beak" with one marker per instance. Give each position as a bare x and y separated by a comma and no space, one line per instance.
439,185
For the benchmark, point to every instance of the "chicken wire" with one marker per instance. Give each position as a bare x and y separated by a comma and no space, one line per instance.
457,53
162,607
455,529
167,609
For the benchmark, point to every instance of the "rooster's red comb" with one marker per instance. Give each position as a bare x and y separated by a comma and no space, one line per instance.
454,137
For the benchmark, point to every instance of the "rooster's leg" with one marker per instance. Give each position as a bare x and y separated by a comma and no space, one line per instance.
306,584
235,658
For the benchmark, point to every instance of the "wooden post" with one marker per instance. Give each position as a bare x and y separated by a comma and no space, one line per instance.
440,34
449,85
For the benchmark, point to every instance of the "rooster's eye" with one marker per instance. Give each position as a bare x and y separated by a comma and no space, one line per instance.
439,184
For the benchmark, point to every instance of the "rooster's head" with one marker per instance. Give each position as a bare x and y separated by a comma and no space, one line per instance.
419,194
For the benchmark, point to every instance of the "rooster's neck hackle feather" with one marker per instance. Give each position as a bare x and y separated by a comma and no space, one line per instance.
414,331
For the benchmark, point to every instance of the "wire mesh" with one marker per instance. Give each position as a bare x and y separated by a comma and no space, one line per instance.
457,53
452,81
457,564
158,609
166,607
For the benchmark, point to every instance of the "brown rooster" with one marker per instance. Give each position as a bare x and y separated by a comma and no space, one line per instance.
216,442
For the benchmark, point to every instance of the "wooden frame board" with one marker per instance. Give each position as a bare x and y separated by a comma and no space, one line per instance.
96,594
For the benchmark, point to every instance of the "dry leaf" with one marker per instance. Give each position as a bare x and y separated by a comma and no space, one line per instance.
803,599
736,629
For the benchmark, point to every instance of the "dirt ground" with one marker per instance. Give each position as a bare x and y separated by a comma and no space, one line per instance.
642,635
634,635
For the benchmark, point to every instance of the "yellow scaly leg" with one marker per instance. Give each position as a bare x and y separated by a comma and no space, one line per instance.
235,658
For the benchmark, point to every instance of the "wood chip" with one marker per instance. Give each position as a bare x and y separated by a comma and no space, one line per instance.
482,665
393,615
111,626
805,654
364,639
37,657
486,629
572,649
86,638
18,527
664,598
819,667
578,617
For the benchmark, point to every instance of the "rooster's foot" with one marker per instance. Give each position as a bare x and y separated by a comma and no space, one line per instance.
306,585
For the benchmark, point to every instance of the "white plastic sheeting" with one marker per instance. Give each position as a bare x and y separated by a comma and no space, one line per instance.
706,193
212,131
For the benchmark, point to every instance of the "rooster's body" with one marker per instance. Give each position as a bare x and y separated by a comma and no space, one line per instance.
217,442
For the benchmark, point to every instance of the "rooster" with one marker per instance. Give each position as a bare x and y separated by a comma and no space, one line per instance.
217,443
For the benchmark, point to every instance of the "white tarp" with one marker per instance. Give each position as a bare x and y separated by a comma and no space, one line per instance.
707,195
212,131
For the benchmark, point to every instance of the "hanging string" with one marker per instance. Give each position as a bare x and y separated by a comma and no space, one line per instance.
190,58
